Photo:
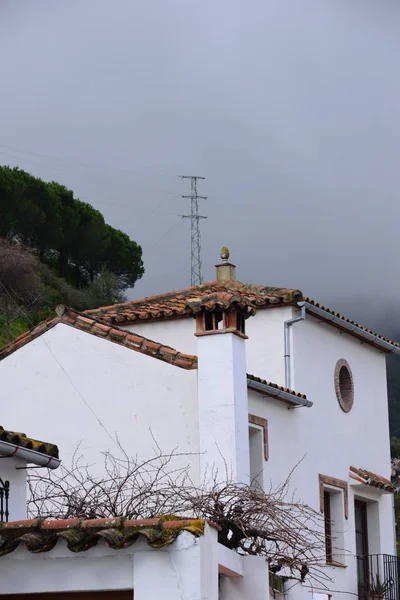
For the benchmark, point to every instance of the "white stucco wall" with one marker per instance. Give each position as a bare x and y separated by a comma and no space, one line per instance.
223,408
325,439
178,333
264,348
362,434
71,388
130,392
185,570
18,487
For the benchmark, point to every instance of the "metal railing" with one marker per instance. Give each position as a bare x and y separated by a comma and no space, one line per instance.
378,577
4,496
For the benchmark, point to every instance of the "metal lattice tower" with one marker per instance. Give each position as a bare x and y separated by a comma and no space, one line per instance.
196,275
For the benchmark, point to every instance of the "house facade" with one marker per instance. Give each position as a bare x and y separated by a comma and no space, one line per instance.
252,382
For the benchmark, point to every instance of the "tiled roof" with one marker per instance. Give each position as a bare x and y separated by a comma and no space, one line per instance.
338,315
20,439
190,301
210,296
41,535
369,478
277,387
101,329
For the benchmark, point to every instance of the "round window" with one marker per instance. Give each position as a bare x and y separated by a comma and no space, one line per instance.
344,385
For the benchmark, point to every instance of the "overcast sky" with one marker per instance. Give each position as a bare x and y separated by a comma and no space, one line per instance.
289,108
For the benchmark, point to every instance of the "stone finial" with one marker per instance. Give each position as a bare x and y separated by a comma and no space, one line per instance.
226,271
225,253
60,310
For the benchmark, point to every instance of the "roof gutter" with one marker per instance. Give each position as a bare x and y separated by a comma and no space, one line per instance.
350,327
31,456
269,390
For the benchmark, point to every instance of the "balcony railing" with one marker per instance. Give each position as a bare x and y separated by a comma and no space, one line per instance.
4,496
378,577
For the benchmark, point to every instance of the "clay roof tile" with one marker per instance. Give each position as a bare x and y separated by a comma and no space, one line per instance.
372,479
117,532
105,330
211,295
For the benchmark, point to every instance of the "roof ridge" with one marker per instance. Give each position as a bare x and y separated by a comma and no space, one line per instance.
171,294
189,301
102,329
216,294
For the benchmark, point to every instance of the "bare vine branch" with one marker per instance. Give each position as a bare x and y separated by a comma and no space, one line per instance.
289,534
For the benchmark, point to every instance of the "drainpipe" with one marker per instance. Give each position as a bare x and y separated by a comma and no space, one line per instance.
287,325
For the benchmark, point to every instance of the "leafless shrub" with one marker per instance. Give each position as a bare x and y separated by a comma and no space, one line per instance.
18,275
289,534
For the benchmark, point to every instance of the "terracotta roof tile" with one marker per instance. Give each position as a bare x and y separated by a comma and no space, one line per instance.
372,479
20,439
41,535
276,386
190,301
104,330
210,296
363,327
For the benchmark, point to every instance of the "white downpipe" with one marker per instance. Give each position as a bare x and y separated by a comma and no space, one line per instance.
287,325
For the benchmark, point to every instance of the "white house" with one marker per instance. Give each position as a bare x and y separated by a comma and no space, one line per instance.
218,385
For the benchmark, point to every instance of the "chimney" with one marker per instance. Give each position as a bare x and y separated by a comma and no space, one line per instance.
222,391
226,271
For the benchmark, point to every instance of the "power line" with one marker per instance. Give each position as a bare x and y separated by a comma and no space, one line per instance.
174,226
92,165
50,159
107,201
105,154
196,275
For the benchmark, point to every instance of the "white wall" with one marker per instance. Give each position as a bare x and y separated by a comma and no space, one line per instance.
265,350
130,392
68,387
362,435
185,570
223,407
254,584
18,487
178,333
324,438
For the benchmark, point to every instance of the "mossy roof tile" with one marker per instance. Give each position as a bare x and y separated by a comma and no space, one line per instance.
82,534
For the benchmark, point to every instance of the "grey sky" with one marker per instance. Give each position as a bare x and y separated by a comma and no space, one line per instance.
289,108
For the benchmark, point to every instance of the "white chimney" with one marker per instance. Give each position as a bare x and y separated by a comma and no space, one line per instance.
222,395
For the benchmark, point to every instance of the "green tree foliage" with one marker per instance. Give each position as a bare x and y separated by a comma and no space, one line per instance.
393,379
395,447
47,218
105,290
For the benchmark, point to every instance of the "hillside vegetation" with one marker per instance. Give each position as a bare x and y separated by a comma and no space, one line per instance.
67,234
55,249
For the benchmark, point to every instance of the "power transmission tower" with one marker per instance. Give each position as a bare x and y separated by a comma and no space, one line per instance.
196,275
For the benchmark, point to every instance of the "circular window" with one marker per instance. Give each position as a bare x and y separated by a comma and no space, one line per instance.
344,385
